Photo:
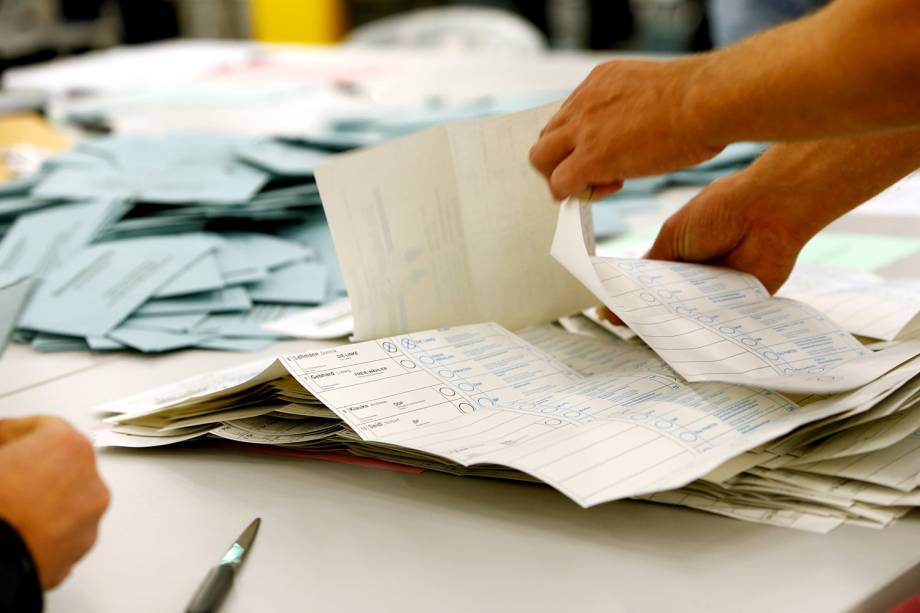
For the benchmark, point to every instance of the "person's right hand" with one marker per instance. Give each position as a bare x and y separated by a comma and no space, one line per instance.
50,492
629,118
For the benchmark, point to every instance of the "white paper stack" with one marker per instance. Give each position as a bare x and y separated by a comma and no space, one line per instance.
599,419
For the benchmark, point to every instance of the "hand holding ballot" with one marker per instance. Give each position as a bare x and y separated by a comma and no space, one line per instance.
728,386
637,118
759,219
632,119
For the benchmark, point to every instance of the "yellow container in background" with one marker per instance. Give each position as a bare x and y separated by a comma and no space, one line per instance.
297,21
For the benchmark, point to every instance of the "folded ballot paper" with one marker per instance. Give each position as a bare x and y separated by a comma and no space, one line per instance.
728,400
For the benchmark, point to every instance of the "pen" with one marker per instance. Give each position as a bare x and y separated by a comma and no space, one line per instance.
219,579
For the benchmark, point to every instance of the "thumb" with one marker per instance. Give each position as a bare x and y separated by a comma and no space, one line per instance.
705,229
667,242
772,271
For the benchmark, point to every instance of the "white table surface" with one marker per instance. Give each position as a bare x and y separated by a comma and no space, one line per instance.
344,538
347,538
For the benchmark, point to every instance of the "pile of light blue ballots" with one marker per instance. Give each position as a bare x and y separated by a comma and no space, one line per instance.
157,244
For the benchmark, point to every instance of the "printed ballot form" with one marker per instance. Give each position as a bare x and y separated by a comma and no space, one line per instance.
481,395
718,324
863,303
597,419
446,227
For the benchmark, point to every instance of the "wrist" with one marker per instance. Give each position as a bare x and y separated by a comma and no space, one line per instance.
699,110
789,185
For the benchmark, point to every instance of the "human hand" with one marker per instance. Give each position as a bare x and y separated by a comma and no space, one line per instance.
50,492
738,222
629,118
759,219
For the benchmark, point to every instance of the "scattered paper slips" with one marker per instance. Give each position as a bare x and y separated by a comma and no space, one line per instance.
98,289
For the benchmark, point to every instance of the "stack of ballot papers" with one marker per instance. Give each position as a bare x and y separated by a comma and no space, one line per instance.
599,419
155,244
735,402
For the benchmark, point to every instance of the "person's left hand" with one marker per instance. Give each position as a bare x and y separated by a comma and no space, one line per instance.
737,222
629,118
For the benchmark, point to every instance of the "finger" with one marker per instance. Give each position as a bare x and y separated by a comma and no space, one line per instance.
12,429
569,178
85,542
102,497
51,580
559,119
665,245
772,271
585,168
550,150
568,106
610,316
606,189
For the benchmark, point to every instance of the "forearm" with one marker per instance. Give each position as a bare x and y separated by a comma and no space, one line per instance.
851,68
821,180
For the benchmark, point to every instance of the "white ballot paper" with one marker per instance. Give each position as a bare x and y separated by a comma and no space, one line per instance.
446,227
863,303
332,320
717,324
479,395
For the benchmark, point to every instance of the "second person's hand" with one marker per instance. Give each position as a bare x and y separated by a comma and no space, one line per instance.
50,492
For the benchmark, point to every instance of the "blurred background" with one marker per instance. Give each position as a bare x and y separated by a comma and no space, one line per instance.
37,30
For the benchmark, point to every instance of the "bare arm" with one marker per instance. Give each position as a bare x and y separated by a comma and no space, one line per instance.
852,68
